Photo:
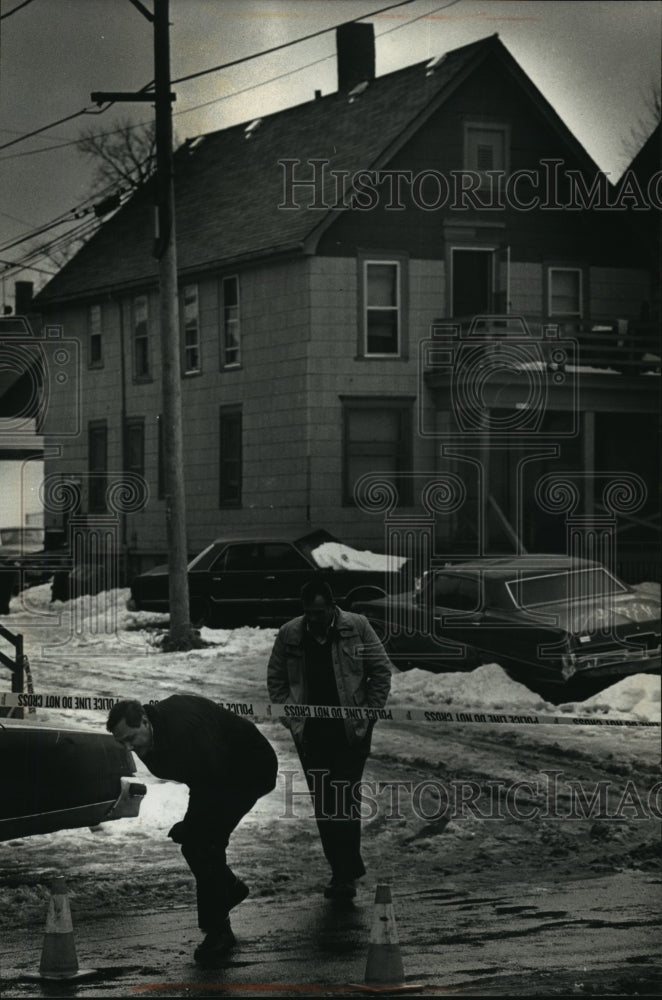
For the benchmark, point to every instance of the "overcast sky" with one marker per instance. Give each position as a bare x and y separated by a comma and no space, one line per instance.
596,62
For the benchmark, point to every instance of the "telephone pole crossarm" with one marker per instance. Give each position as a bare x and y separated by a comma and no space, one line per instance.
104,96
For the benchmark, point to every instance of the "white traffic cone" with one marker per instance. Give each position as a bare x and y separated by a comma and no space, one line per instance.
384,965
58,954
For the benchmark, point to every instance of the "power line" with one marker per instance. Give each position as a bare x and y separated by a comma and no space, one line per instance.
285,45
81,232
44,128
28,267
15,9
235,93
419,17
99,195
213,69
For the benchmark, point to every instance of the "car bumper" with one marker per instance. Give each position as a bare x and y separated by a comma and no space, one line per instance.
129,800
620,662
89,814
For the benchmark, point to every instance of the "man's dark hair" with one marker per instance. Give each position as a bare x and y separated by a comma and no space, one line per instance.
130,710
316,588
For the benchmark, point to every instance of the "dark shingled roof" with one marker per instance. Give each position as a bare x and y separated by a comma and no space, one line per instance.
228,187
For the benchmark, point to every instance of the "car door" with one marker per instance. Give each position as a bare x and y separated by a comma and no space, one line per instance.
456,617
235,582
283,573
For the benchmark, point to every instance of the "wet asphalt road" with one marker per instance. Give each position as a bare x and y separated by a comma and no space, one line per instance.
598,936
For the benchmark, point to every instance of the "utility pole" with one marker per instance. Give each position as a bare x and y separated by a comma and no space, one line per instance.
180,634
166,251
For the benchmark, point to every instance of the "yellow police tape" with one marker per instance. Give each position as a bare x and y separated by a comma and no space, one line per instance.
266,710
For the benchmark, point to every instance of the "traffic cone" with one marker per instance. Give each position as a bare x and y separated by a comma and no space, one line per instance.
384,964
58,954
384,969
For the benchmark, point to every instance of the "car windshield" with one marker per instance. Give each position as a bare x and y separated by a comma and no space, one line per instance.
552,588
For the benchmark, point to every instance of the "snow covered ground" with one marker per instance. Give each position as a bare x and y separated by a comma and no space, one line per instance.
95,646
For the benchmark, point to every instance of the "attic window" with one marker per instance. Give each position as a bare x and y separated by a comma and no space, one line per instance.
484,156
254,125
434,64
359,89
486,147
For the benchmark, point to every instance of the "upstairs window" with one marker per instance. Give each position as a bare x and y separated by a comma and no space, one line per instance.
564,291
141,359
94,338
382,311
230,333
191,338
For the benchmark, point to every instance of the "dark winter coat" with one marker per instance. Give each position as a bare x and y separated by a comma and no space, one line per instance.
360,664
203,745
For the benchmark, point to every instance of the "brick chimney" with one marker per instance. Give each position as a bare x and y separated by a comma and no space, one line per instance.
355,45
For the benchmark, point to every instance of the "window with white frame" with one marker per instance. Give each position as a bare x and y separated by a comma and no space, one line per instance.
191,339
381,308
231,342
141,361
95,335
564,291
485,147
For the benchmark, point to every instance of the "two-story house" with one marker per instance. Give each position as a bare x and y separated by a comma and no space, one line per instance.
331,258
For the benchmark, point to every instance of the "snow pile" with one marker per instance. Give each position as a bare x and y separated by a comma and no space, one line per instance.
335,555
636,697
487,688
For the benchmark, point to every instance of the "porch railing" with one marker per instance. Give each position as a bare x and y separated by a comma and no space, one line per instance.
630,348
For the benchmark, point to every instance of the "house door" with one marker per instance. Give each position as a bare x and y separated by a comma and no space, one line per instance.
472,281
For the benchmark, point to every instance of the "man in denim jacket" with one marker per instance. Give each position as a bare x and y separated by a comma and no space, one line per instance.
331,657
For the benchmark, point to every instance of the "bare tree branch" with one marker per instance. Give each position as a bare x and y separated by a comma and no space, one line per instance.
125,156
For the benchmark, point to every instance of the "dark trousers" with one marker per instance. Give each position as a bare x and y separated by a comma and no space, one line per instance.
333,770
204,834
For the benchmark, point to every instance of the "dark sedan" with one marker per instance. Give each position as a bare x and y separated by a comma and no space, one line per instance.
555,623
257,579
57,779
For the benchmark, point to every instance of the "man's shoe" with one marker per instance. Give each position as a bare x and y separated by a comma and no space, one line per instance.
237,893
215,947
340,890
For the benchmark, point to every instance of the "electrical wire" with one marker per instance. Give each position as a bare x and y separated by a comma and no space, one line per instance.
15,9
213,69
285,45
99,195
30,267
235,93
